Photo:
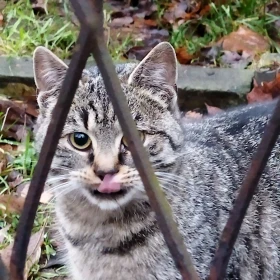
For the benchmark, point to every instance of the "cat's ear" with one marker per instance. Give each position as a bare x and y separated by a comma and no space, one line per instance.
49,70
158,68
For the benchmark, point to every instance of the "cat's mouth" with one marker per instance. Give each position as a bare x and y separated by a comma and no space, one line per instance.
113,195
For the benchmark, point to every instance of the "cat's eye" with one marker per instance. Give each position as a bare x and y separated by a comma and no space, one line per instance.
141,135
79,140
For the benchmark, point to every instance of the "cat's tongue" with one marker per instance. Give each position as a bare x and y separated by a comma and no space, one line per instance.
108,185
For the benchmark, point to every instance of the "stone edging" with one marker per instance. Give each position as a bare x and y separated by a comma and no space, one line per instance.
193,81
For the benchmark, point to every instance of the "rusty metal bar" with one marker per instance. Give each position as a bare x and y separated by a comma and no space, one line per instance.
157,198
248,188
59,115
91,12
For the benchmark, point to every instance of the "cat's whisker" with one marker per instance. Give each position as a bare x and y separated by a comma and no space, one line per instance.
57,178
61,168
171,175
177,183
173,184
168,190
57,187
65,192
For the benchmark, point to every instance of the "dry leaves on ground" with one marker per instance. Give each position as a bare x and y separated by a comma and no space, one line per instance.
245,40
33,251
18,117
22,190
11,203
265,91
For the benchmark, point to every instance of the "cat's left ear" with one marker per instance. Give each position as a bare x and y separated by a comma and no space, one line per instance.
49,70
158,68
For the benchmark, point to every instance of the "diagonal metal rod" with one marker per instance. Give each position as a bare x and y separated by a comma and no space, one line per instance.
93,15
59,115
248,188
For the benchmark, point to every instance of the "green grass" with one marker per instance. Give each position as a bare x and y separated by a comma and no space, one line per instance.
23,31
23,161
222,20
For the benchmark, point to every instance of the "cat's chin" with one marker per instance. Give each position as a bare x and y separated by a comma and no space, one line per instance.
110,201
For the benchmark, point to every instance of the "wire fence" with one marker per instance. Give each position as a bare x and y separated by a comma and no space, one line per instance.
91,41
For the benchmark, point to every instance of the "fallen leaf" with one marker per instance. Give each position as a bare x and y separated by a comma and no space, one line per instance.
12,203
1,19
183,56
3,233
122,21
33,252
244,39
14,179
22,190
16,119
213,110
264,91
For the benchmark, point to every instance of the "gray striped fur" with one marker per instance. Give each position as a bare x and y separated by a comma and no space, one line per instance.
199,163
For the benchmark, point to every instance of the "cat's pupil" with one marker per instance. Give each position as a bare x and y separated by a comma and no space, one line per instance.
80,139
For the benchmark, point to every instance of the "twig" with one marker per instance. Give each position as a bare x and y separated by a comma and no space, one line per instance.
59,115
249,186
93,15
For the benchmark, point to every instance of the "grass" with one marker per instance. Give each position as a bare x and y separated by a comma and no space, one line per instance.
23,31
222,20
23,161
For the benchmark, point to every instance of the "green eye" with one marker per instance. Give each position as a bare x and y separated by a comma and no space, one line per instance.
141,135
79,140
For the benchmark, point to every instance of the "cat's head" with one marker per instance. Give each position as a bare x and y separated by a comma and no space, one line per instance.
92,157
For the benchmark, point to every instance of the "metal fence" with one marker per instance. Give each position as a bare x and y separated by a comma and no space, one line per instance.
91,41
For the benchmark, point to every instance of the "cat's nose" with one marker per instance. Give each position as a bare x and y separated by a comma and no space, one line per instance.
101,173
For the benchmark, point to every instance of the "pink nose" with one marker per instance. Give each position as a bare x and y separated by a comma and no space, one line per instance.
109,184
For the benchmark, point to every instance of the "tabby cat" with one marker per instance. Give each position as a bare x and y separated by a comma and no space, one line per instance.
103,214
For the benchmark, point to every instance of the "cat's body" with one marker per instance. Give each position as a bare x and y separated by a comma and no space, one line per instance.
201,165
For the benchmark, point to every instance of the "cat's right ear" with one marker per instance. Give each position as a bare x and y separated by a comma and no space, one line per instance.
49,70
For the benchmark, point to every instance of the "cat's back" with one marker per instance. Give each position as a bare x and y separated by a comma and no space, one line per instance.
219,151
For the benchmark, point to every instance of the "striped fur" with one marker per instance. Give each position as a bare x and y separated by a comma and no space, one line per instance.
200,165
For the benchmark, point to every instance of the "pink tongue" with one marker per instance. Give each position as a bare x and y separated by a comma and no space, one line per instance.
108,185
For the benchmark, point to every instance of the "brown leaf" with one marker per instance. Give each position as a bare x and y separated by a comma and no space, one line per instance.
183,56
213,110
12,203
22,190
16,119
184,10
122,21
265,91
1,19
33,252
246,40
17,180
